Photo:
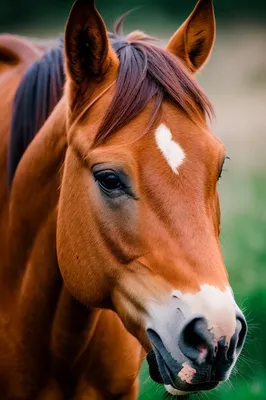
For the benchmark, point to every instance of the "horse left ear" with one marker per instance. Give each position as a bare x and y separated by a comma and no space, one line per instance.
194,40
88,52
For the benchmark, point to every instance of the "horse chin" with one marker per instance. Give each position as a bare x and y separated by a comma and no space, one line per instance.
175,392
178,393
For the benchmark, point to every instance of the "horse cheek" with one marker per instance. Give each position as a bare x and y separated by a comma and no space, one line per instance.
79,250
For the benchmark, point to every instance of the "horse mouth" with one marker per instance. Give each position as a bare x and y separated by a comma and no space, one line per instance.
161,373
163,369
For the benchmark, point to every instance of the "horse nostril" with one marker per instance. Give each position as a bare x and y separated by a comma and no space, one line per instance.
196,341
238,339
241,322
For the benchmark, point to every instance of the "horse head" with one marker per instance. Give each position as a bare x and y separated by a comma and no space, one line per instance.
138,216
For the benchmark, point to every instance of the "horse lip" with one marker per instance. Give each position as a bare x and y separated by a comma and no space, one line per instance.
163,372
156,375
164,362
159,347
153,367
159,371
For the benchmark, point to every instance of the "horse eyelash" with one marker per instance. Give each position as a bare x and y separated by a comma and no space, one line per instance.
223,169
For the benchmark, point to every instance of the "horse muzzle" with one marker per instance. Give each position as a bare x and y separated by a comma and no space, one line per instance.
199,361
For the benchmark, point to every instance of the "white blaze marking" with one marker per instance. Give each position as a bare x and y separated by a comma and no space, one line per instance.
173,153
187,372
217,306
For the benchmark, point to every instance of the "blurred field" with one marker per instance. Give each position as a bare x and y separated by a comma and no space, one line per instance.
235,81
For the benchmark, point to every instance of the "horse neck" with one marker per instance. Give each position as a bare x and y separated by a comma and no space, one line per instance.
33,205
73,328
35,298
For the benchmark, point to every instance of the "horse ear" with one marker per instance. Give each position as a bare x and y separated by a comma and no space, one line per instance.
194,40
87,50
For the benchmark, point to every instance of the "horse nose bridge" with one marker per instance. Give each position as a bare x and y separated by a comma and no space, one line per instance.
216,306
192,264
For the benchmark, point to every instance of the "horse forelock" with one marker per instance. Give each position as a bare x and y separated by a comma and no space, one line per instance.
148,72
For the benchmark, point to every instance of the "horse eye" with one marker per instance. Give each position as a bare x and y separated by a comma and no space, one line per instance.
220,172
108,180
222,167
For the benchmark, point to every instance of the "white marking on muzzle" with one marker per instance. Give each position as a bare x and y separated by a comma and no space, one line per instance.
187,373
216,306
172,151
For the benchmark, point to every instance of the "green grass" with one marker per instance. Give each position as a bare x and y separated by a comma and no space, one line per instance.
243,241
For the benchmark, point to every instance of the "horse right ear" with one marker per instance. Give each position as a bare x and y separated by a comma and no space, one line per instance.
193,41
88,52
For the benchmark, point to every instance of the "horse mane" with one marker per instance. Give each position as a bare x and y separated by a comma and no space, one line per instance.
147,72
38,93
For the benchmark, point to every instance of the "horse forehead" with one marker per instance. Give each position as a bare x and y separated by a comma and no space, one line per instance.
170,149
179,142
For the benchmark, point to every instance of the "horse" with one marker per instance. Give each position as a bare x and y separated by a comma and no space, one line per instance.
110,215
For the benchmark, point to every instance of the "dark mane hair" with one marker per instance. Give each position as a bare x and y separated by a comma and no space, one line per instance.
146,73
38,93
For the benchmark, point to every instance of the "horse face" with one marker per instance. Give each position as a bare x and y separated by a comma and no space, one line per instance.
178,286
138,220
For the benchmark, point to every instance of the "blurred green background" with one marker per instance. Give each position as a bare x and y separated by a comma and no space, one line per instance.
235,81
